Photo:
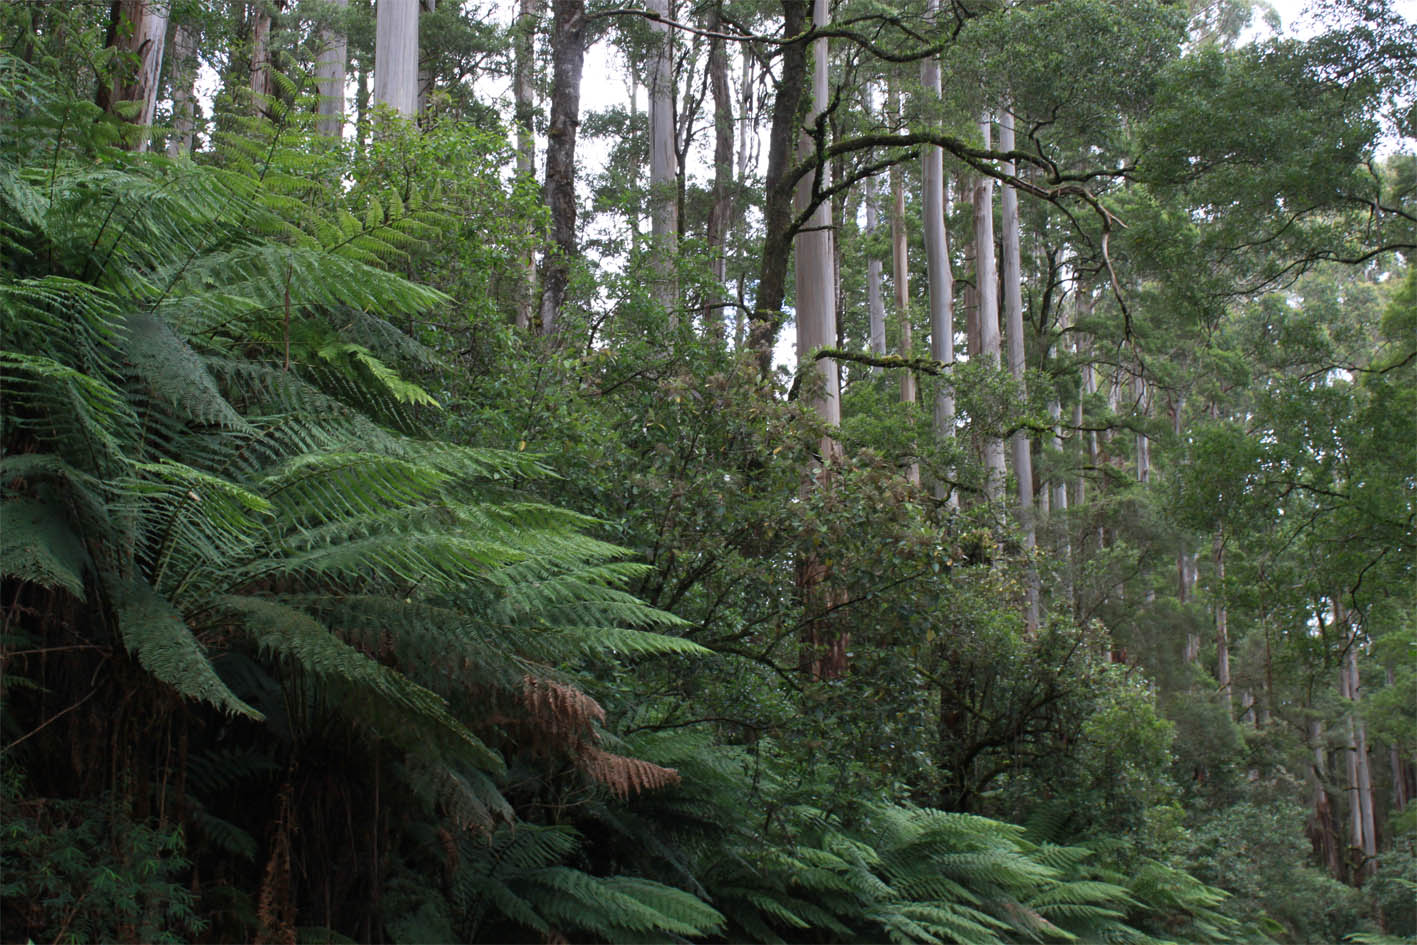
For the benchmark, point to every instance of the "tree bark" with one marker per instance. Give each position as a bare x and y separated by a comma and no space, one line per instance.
721,211
137,29
260,52
988,290
1222,626
1013,314
524,93
823,647
1365,837
183,71
935,209
767,315
396,56
568,58
663,164
329,78
875,302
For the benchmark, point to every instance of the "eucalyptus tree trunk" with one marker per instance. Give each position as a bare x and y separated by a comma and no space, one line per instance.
261,85
823,648
900,274
663,165
137,29
935,208
721,212
767,313
1143,441
524,95
1013,315
875,303
329,78
396,55
1400,795
1323,832
183,73
568,58
1365,836
988,292
1222,625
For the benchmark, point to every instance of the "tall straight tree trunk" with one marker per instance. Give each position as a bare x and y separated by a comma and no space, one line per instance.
663,164
1323,832
183,71
1222,625
935,209
261,84
900,270
1400,796
568,58
1365,836
137,29
329,78
767,314
524,93
1143,441
721,212
1013,314
396,55
988,291
823,649
875,303
363,96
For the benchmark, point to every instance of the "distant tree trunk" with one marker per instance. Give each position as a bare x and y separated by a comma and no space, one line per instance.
1222,625
988,289
1365,837
1143,441
1323,832
425,80
900,274
663,166
362,97
524,92
183,72
823,647
1013,313
396,55
1400,795
875,303
935,209
137,29
778,195
721,212
568,57
329,78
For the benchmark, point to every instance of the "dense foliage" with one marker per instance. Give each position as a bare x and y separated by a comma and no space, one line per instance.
337,608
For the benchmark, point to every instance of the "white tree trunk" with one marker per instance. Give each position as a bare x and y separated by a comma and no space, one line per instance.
329,78
1365,835
900,274
524,94
396,55
935,209
816,309
663,164
875,303
138,29
1013,314
988,290
1143,441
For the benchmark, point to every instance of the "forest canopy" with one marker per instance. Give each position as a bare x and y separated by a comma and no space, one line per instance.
418,525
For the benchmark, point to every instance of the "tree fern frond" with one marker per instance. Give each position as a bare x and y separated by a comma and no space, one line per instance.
286,631
176,374
154,632
37,545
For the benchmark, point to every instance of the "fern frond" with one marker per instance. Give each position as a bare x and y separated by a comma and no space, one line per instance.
156,634
37,545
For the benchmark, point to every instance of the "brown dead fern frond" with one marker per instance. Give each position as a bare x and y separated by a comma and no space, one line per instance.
624,775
